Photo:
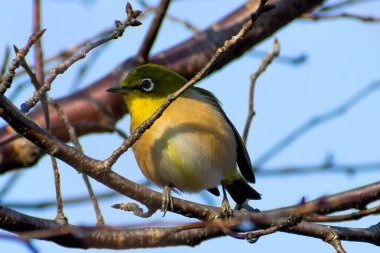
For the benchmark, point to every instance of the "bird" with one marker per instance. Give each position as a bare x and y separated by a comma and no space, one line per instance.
193,146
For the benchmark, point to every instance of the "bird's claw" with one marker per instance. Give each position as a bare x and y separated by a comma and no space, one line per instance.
167,200
227,211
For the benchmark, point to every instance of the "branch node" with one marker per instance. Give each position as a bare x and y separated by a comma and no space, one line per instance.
333,240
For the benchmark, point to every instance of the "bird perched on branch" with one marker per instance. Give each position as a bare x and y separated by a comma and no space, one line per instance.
193,146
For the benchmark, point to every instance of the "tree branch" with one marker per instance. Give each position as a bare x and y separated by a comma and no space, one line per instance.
264,64
62,67
142,55
192,234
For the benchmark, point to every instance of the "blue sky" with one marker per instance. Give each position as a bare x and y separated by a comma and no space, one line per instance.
343,57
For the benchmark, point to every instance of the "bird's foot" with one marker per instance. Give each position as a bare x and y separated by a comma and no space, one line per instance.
227,211
167,200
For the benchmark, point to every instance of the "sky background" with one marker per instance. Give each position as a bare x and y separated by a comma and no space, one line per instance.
343,57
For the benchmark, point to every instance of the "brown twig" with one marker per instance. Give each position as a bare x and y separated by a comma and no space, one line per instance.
31,74
228,44
8,78
143,53
39,63
69,52
74,139
264,64
62,67
38,53
60,217
292,221
347,217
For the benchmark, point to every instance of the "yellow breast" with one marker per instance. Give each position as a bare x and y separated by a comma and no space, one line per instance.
191,146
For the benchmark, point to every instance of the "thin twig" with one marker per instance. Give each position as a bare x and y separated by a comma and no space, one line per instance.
94,200
328,167
8,79
38,53
341,4
39,60
346,217
317,120
185,23
264,64
26,242
85,68
66,201
69,52
74,139
143,53
287,223
18,89
299,59
60,216
228,44
62,67
319,16
39,77
31,74
9,184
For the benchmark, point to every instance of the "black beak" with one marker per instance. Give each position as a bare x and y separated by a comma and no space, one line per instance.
119,89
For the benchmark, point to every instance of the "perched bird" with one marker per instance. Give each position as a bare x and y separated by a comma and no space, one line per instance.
193,146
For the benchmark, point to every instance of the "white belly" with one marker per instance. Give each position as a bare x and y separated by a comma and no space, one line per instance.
193,164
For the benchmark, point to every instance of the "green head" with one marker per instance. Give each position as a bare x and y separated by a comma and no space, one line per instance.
149,80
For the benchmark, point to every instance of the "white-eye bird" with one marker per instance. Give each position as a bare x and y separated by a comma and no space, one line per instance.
193,146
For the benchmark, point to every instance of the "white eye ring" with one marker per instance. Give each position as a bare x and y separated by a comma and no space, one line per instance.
147,85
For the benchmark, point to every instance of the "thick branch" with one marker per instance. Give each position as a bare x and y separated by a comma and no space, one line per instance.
192,234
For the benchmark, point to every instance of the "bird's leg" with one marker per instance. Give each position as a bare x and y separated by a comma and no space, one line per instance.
226,208
167,200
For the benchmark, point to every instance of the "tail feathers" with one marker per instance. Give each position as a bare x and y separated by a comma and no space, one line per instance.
214,191
241,191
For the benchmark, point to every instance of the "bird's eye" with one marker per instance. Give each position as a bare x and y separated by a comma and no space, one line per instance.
147,85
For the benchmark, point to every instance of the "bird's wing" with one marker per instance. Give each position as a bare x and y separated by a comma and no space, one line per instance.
243,160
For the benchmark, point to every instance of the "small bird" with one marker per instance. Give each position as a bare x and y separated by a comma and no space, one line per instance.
193,146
